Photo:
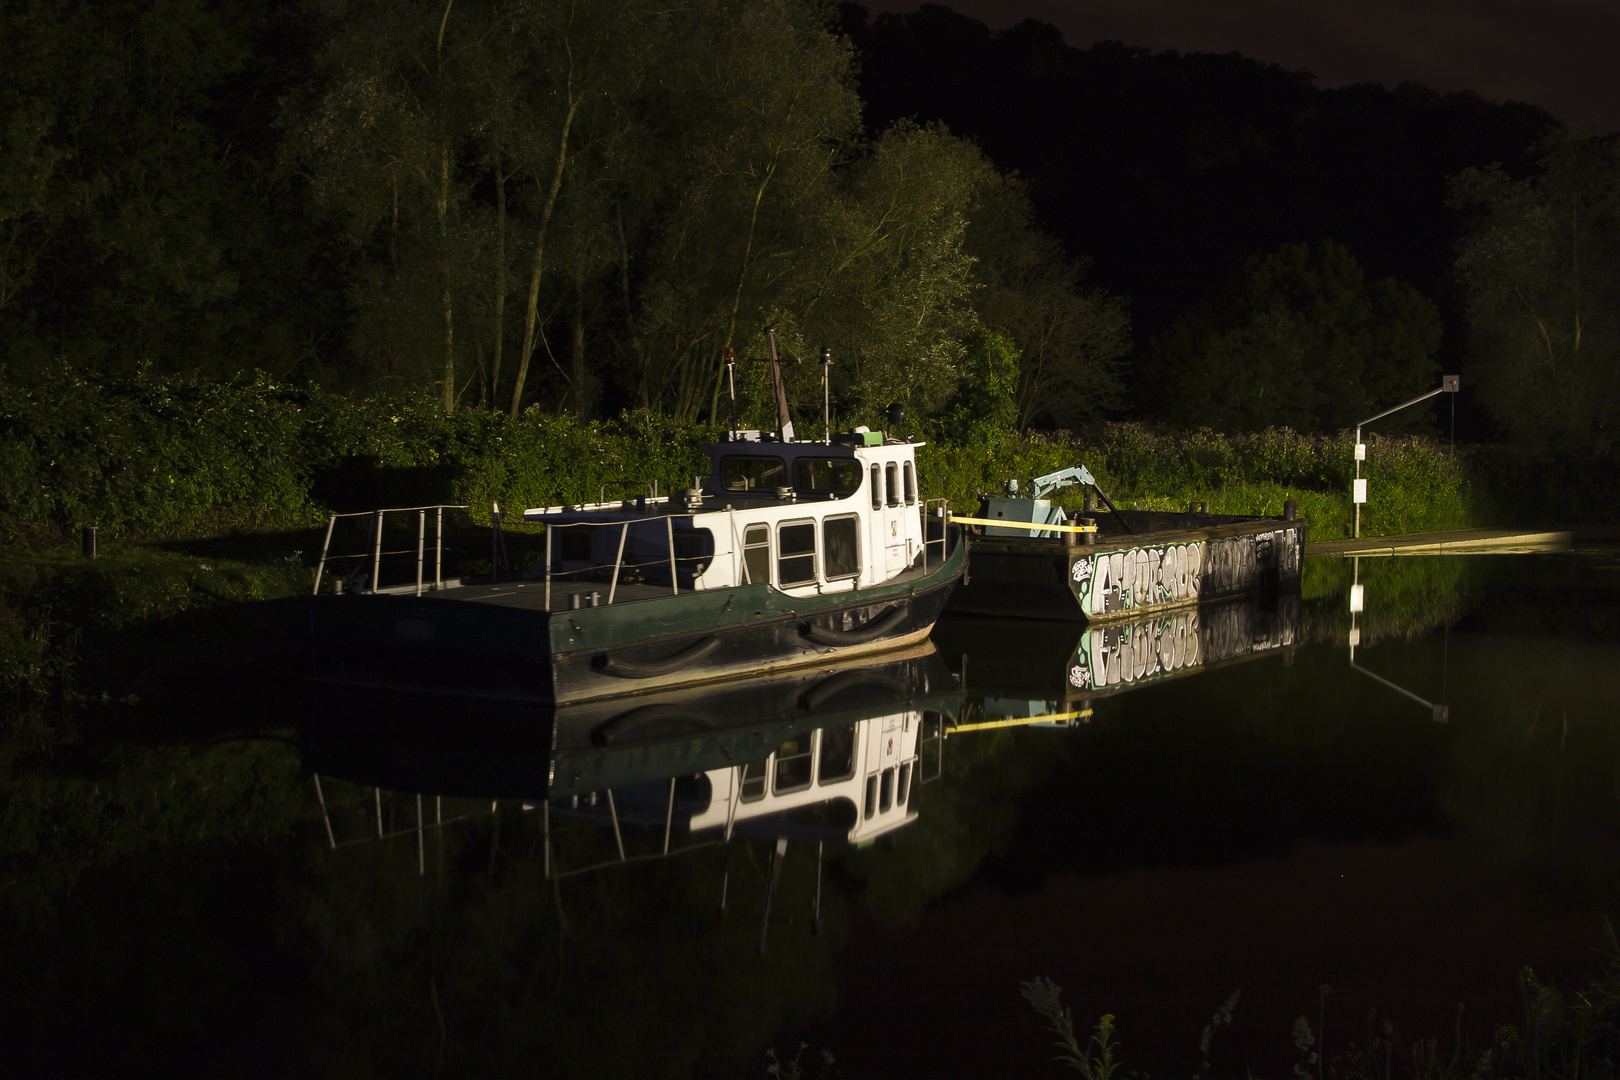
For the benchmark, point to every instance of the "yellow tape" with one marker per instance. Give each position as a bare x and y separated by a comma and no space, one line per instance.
1024,525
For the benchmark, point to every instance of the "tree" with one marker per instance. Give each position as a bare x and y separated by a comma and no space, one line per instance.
136,222
383,143
1540,269
1307,343
1069,339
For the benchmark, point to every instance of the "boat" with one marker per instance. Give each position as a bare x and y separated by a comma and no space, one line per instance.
789,552
1033,560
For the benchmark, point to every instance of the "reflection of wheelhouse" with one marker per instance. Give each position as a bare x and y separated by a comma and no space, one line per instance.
844,781
855,777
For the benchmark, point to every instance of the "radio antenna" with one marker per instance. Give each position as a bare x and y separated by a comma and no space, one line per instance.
730,356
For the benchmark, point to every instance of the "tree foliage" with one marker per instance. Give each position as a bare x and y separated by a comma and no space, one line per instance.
573,204
1540,268
1308,343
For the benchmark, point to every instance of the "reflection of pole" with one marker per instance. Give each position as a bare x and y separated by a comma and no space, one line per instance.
1441,713
770,889
325,817
815,921
725,883
1358,603
669,818
613,812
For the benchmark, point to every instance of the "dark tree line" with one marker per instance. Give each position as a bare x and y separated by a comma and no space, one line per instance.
571,203
1184,176
581,205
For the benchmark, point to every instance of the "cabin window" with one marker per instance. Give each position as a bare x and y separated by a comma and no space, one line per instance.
753,780
757,554
796,554
837,754
886,791
826,476
575,544
840,547
871,796
877,488
911,486
739,473
905,784
891,473
793,765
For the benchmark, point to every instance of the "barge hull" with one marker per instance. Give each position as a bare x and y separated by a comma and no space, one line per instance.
1129,576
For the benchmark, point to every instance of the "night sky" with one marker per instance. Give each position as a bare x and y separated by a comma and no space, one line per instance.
1559,54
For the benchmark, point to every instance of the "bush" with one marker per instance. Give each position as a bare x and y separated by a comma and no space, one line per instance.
153,457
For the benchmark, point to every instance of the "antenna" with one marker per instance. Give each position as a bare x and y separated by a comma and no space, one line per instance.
826,395
731,385
784,421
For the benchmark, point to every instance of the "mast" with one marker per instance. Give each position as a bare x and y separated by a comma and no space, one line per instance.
784,421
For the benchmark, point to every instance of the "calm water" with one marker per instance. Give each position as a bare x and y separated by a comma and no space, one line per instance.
1200,806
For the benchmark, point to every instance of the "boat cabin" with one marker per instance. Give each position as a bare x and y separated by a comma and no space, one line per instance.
809,517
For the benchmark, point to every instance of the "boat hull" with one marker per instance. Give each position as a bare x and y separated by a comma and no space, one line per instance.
1126,576
438,643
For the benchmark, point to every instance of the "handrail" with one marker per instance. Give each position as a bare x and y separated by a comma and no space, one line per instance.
377,552
943,515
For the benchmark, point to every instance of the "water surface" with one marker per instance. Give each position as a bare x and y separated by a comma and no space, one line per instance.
1219,804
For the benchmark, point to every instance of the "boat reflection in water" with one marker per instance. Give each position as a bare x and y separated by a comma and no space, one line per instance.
830,754
1022,671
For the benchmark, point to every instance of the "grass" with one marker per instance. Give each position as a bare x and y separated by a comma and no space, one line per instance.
1564,1035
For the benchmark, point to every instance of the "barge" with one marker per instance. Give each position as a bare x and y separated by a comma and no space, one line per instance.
1032,560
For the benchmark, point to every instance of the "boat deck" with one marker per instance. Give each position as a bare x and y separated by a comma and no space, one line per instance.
529,594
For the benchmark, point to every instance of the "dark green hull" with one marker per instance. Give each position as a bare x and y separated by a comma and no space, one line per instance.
446,643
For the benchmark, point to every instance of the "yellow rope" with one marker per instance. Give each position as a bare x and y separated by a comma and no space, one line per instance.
1024,525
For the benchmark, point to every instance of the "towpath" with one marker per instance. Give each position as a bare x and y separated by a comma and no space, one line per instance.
1464,541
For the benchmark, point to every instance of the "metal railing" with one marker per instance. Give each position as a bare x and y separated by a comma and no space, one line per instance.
616,569
941,514
377,552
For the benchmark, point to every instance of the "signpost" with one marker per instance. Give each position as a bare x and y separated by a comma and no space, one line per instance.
1358,487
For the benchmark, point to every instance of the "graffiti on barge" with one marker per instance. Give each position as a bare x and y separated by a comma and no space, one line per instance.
1121,581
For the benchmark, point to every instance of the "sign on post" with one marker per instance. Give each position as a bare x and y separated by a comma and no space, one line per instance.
1358,490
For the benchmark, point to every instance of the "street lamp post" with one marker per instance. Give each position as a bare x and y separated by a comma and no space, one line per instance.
1358,488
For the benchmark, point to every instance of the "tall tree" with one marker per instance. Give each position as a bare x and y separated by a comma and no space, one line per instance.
383,142
1069,339
1540,270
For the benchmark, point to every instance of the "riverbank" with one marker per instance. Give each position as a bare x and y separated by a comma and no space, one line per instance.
154,460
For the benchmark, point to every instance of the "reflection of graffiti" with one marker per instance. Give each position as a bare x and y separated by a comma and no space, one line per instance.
1137,578
1132,652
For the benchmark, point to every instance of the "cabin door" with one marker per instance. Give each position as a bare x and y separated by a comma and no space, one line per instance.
897,556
